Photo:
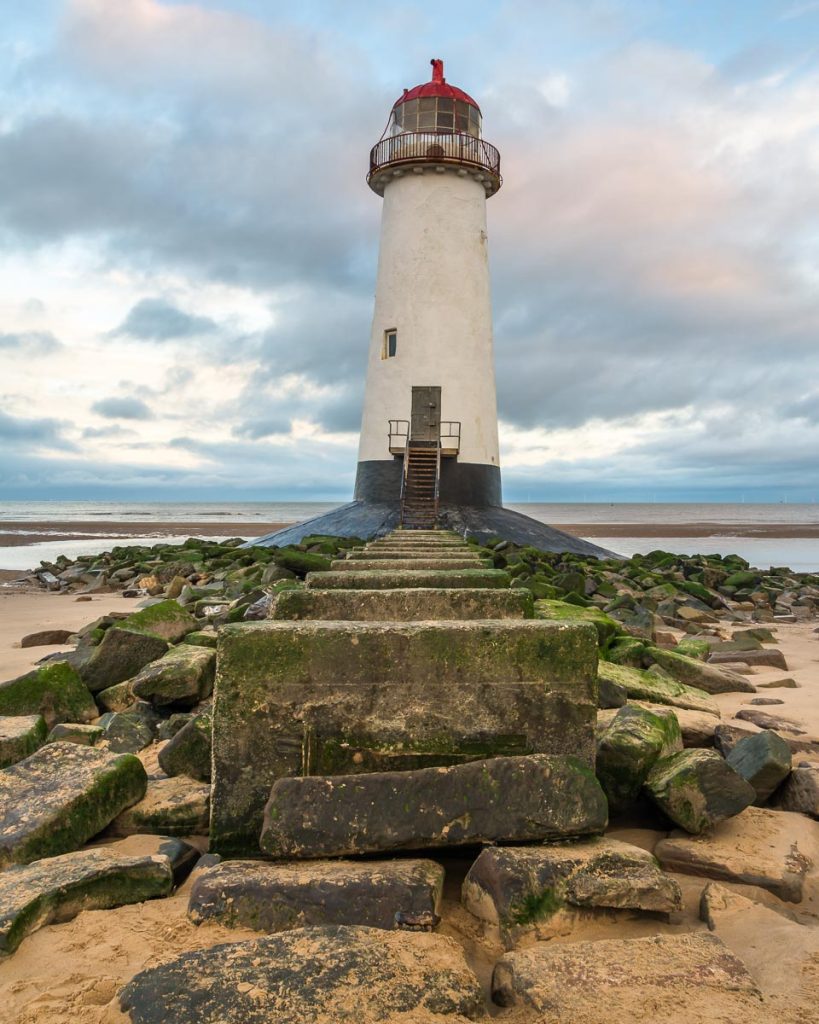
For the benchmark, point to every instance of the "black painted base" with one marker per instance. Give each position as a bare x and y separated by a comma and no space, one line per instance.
368,519
462,483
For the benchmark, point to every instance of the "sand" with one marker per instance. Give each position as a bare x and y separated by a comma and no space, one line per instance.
70,973
17,534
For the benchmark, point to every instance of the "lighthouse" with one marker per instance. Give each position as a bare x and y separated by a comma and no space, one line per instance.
428,451
429,432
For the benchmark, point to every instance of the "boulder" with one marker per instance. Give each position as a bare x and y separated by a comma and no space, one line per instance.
505,799
773,658
278,897
188,752
19,737
61,796
54,691
628,749
183,856
165,619
640,685
201,638
675,977
59,888
47,638
561,611
533,890
310,976
171,807
330,698
118,697
764,760
71,732
704,676
127,732
120,656
800,791
183,676
771,849
697,788
765,720
696,727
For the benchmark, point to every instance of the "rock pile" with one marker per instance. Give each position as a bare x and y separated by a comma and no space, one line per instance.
422,692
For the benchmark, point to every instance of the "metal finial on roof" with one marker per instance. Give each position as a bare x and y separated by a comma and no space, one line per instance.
437,70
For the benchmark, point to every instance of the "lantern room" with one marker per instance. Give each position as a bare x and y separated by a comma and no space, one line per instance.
434,127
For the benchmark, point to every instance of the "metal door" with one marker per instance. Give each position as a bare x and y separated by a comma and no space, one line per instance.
426,414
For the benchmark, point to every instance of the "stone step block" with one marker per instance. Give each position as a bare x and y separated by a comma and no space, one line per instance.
384,554
406,605
61,796
400,564
311,976
537,891
59,888
396,578
680,977
279,897
502,800
324,698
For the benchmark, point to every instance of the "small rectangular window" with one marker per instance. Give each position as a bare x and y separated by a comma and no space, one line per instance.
390,343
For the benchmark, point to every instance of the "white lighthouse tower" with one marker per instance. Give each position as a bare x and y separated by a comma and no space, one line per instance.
429,432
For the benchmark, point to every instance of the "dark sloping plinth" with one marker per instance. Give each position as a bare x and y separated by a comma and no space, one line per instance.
368,519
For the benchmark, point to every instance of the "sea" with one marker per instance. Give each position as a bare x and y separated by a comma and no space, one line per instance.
240,518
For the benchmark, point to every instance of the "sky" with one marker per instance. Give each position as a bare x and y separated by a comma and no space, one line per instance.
188,245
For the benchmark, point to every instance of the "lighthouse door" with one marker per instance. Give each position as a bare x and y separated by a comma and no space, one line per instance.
426,414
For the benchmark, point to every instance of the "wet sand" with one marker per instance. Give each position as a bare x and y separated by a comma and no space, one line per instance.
18,534
782,531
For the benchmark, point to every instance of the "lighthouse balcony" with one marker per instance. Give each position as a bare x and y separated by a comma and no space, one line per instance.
449,437
436,151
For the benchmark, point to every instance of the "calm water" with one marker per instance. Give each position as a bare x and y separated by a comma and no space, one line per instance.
239,518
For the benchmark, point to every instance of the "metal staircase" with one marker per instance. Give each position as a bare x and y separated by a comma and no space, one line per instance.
419,485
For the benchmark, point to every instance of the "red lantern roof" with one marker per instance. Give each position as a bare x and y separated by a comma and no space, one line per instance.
437,87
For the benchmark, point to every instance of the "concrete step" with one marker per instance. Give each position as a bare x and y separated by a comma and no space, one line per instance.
406,605
449,554
414,562
374,579
334,698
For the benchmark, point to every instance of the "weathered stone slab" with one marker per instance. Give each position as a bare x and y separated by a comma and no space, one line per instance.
771,849
54,691
121,654
537,890
188,752
404,551
20,736
629,747
711,678
69,732
323,698
166,619
697,789
183,856
640,685
505,799
310,976
696,727
61,796
373,579
183,676
413,562
172,807
278,897
774,658
406,605
46,638
764,760
800,792
679,976
59,888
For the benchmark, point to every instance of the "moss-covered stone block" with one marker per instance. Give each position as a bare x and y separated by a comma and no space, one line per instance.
307,698
188,752
697,789
171,807
183,676
404,605
122,653
54,690
20,736
61,796
374,579
561,611
628,748
711,678
167,619
640,685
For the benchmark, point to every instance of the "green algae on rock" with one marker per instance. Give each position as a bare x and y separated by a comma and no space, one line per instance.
697,789
20,736
61,796
53,690
628,749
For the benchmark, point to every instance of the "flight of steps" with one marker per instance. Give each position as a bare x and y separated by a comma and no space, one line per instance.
419,498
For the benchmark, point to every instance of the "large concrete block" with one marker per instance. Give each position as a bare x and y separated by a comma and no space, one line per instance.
405,605
410,561
380,579
381,554
331,698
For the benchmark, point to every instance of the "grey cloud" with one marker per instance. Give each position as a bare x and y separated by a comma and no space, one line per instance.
122,409
156,319
13,428
30,343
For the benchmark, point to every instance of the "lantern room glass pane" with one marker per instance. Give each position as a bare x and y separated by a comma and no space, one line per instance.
445,120
445,105
427,103
426,119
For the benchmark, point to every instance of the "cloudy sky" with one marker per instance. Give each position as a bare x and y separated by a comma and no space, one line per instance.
188,245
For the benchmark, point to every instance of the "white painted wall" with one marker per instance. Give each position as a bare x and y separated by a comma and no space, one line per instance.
433,286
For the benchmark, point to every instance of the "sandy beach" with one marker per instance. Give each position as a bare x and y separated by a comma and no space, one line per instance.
18,534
